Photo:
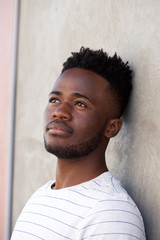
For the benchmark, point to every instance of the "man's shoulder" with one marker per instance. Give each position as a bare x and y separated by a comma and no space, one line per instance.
41,191
114,212
112,197
104,187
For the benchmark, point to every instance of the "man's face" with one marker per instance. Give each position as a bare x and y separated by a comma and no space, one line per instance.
77,114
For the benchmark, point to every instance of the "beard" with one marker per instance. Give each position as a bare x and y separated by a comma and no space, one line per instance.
75,150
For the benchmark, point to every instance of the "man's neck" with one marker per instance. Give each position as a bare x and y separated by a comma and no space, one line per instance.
72,172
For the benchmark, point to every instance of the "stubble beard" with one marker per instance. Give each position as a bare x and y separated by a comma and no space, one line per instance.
75,151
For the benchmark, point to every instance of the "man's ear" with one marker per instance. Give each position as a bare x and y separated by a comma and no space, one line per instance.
113,127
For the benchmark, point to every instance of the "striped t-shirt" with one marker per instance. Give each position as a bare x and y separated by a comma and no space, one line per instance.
98,209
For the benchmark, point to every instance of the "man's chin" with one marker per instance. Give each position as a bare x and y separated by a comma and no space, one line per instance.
70,151
63,153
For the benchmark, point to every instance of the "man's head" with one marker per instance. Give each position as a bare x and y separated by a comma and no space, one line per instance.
84,107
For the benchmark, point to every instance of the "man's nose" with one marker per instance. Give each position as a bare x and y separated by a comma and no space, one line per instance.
63,112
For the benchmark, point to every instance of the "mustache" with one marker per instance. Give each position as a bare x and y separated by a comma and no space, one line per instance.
59,124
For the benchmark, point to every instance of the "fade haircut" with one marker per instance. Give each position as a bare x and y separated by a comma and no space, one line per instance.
113,69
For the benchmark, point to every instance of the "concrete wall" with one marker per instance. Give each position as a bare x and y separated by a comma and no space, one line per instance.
49,30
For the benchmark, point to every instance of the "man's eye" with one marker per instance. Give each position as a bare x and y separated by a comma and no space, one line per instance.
53,100
81,104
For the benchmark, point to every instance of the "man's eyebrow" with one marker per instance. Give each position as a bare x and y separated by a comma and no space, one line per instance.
55,92
79,95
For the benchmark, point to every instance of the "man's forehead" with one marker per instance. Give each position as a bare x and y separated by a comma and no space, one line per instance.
82,78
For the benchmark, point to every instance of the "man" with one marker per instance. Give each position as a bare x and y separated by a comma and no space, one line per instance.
82,115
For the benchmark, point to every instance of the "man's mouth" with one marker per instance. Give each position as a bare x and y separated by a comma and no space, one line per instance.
59,129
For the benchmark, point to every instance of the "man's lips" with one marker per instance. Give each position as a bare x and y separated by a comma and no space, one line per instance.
59,128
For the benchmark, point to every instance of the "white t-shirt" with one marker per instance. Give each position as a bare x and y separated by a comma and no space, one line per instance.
98,209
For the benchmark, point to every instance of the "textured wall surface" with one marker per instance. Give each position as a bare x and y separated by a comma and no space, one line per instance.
49,31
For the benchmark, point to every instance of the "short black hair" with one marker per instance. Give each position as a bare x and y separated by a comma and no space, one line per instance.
113,69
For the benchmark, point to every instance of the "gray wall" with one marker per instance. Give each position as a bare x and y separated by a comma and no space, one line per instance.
49,30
